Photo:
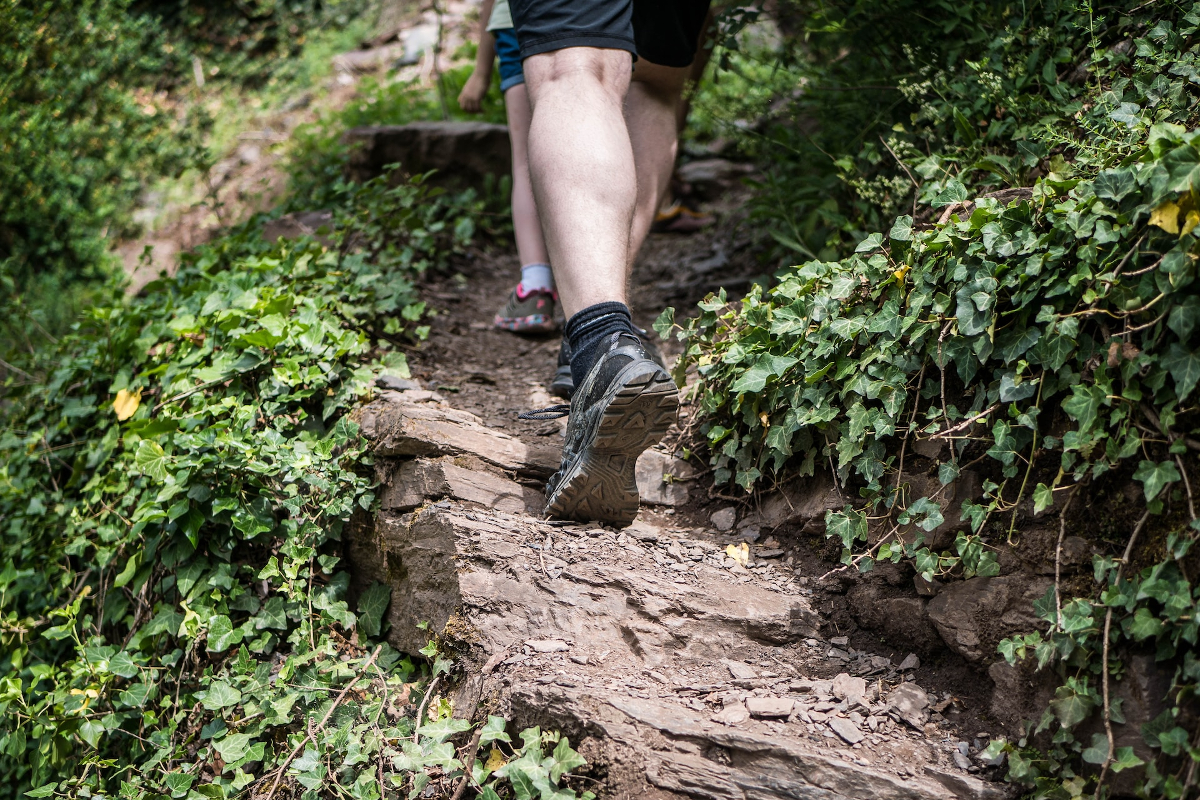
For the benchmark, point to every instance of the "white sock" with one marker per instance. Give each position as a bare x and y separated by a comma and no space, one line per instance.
537,277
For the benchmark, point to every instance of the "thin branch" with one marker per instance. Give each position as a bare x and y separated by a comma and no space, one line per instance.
472,749
903,166
424,702
310,735
1062,533
1112,747
1187,484
966,423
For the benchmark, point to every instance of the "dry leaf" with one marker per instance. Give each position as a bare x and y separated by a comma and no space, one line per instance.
126,403
900,273
739,553
1166,216
495,761
1190,222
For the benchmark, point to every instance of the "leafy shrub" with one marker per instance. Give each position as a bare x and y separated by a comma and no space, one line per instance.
173,619
246,41
1047,332
79,127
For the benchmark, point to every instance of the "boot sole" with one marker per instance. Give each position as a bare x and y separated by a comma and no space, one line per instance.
600,485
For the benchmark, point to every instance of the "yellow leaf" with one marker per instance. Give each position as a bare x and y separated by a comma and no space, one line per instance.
1189,222
126,403
495,761
1166,216
739,553
900,273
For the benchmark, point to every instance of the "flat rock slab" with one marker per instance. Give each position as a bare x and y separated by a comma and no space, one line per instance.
415,482
577,628
699,758
463,153
398,428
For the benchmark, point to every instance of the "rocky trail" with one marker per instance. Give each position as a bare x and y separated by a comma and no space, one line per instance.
698,652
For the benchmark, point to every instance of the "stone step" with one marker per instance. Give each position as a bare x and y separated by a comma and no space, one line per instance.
399,428
672,673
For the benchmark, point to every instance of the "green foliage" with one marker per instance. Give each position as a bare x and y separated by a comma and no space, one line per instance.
1047,334
247,41
174,619
79,126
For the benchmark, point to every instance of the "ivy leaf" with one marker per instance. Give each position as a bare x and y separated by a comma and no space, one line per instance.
564,759
1142,625
848,526
902,229
1071,707
1184,366
151,460
954,192
121,664
1114,184
443,729
272,615
493,730
372,604
1184,317
872,242
523,787
222,635
1043,498
1166,216
926,514
127,403
1083,405
1155,476
1098,752
1012,391
665,322
220,695
234,746
90,731
179,783
1124,758
767,367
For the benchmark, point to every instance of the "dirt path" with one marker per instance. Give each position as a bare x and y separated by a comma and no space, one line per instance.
680,671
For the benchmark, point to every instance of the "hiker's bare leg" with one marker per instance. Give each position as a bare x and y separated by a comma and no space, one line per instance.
651,109
527,229
582,167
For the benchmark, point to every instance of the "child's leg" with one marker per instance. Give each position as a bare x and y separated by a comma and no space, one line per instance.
531,246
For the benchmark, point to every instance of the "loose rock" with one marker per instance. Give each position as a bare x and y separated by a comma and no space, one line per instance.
848,688
770,707
723,520
909,703
846,729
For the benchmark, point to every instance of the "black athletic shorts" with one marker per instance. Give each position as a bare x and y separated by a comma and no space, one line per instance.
663,32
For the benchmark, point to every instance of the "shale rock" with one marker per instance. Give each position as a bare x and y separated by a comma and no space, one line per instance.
650,470
972,616
415,482
398,428
801,502
910,703
899,619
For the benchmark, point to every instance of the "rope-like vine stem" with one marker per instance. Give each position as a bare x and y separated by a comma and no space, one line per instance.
1108,758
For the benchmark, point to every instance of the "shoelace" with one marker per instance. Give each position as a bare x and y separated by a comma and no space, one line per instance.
553,412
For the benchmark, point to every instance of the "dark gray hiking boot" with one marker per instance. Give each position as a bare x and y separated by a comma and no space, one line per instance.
562,385
624,406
